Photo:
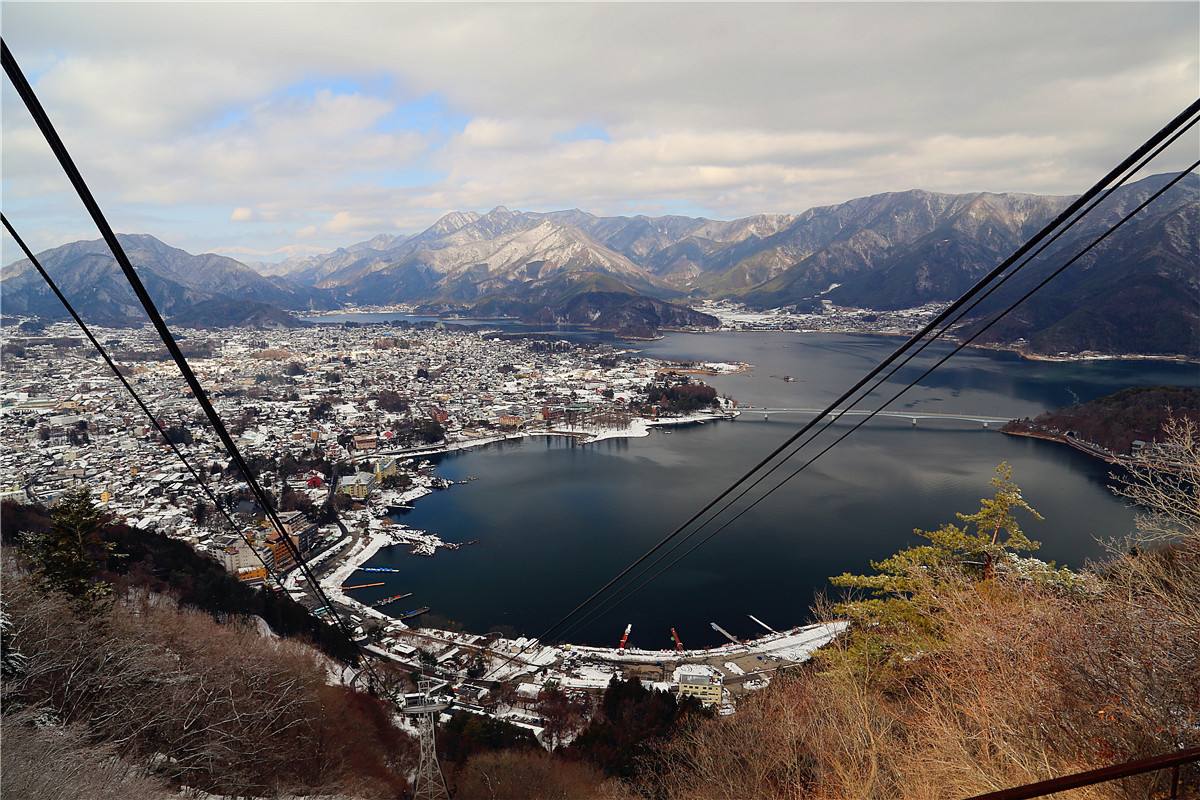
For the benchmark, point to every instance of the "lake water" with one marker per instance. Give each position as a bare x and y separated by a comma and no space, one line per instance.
555,520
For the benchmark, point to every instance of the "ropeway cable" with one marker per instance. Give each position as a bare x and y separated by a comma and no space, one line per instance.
611,601
34,106
1164,133
890,400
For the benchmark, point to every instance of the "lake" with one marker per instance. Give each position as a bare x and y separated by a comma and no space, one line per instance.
554,520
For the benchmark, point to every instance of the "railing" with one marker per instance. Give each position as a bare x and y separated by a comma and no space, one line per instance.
1172,761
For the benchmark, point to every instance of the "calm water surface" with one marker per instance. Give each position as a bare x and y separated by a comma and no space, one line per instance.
555,520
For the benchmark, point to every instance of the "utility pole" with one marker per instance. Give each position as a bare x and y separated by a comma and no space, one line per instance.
424,707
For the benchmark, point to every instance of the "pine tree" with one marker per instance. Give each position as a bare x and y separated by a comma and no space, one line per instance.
70,555
897,615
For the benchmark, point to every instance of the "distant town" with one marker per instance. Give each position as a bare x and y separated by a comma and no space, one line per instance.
830,319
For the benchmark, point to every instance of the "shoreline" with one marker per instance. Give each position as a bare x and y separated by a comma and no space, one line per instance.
378,534
1069,442
638,427
1083,357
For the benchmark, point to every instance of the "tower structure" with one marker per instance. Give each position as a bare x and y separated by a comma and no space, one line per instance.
424,707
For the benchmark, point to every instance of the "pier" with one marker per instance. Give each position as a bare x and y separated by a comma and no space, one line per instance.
388,600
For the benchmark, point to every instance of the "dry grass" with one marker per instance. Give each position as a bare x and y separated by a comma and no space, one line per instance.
532,775
212,706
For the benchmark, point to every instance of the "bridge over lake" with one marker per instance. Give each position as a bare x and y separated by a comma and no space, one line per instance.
913,416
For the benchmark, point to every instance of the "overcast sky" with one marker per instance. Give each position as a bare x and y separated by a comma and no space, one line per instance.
260,131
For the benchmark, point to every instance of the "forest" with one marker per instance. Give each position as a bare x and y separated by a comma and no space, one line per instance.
1116,420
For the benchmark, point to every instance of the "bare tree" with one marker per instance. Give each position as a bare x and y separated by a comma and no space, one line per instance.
1166,485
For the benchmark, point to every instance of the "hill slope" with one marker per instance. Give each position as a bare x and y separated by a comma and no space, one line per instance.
209,289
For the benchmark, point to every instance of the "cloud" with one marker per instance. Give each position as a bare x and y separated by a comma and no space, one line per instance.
348,222
303,115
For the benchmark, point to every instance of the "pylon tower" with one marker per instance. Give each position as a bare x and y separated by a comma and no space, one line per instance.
425,707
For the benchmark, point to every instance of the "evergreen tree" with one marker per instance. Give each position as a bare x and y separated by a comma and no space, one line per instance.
69,556
897,616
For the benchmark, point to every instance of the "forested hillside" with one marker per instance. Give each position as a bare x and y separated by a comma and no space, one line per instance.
1115,421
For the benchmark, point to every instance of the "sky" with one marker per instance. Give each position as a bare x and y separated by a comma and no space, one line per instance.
267,130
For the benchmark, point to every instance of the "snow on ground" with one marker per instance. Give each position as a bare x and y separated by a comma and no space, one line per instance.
724,368
734,668
587,677
695,669
798,645
638,426
333,548
358,555
795,644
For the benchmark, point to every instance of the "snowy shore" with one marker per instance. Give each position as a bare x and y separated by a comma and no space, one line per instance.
383,533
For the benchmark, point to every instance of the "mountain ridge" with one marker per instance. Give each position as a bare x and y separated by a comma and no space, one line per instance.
884,251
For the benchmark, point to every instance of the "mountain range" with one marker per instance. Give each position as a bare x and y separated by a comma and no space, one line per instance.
1139,291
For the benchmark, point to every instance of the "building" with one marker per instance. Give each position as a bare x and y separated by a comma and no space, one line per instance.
254,576
704,687
511,421
358,485
385,467
365,441
282,554
241,559
298,526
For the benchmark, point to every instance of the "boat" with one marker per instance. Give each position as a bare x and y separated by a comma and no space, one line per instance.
416,612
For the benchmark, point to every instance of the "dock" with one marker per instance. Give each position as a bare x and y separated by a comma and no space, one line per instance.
379,569
725,633
361,586
385,601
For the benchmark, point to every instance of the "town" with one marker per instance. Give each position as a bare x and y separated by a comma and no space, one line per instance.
339,421
829,319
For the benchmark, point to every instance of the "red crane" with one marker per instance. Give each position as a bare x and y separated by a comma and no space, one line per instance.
625,636
678,641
